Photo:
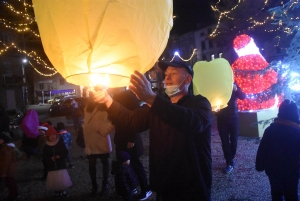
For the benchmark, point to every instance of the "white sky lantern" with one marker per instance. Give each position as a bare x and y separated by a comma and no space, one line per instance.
103,37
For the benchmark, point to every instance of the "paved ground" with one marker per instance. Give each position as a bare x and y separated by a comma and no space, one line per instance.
243,184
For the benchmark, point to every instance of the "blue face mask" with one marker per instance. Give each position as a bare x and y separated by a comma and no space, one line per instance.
174,89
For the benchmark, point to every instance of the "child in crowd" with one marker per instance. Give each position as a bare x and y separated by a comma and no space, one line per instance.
66,136
279,151
54,154
126,180
8,165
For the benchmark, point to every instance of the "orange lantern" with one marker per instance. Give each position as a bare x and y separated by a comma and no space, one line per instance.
84,38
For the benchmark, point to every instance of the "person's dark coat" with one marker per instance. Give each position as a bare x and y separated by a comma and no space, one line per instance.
180,143
122,136
279,149
58,149
232,108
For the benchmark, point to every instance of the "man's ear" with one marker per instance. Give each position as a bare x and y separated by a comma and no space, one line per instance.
188,79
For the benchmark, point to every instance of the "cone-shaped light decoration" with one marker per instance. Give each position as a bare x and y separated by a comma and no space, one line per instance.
213,80
103,37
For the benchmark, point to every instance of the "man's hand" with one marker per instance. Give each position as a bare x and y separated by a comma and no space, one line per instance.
103,97
234,87
141,87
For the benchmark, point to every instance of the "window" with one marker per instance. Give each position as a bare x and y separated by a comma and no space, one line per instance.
7,69
203,45
210,43
41,86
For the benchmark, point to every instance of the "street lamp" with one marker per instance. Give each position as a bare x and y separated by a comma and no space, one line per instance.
24,87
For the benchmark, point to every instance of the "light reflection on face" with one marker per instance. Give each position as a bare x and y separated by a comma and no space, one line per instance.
174,76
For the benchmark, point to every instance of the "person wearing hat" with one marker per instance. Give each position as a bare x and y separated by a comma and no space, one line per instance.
8,165
54,154
125,177
279,151
180,165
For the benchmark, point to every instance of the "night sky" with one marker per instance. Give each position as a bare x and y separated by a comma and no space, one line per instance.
191,15
196,14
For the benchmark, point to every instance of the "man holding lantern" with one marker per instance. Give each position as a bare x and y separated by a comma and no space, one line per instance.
179,130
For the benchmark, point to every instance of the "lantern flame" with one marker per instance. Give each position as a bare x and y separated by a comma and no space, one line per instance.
99,81
218,107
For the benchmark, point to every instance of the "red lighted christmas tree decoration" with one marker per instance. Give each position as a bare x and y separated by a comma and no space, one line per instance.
252,74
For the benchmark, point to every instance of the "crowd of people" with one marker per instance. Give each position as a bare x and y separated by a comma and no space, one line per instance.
180,163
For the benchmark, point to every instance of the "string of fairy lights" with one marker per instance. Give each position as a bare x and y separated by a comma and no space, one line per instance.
32,55
27,20
178,55
255,23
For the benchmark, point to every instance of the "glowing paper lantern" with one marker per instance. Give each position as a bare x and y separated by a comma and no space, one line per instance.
82,38
213,80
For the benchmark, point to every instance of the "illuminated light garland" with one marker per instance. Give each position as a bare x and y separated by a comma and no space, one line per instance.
49,75
24,27
253,21
25,15
226,14
255,85
222,14
32,55
177,54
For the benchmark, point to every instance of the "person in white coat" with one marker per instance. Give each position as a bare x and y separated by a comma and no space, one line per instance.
97,129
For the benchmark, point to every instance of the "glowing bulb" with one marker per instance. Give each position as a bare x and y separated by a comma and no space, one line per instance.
99,81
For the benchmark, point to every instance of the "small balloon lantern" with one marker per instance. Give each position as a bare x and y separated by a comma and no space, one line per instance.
90,39
213,80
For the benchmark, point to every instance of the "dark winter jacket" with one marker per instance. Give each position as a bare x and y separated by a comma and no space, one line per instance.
232,109
58,149
122,136
125,180
180,143
67,138
279,150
